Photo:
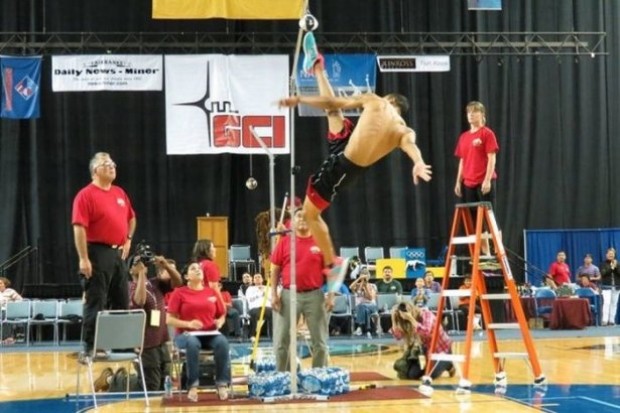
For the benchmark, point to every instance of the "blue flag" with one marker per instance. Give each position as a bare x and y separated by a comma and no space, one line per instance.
21,78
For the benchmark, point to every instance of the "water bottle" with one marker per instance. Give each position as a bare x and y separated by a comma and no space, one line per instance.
168,387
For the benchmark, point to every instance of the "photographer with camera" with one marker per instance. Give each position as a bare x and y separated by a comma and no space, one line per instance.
148,294
415,325
365,304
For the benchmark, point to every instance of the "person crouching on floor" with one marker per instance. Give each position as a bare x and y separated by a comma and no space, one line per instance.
415,325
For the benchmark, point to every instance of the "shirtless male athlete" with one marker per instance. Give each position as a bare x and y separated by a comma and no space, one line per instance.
379,131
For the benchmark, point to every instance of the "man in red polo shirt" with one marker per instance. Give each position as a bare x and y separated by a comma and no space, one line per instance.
559,272
103,224
311,301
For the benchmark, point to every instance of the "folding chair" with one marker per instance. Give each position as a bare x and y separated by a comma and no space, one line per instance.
241,305
372,254
116,330
385,303
349,252
240,255
17,312
207,357
45,313
594,300
433,302
70,313
342,309
396,252
543,302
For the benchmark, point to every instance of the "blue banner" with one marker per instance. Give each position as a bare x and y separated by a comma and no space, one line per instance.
21,77
349,75
415,262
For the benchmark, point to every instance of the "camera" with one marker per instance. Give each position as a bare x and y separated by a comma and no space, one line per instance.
143,254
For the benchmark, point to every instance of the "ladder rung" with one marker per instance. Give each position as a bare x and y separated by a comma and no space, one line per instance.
459,358
496,296
456,293
469,239
511,355
503,326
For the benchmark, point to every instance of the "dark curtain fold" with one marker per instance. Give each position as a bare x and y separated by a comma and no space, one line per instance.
556,121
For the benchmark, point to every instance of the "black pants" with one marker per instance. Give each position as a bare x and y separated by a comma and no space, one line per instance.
108,288
254,315
415,371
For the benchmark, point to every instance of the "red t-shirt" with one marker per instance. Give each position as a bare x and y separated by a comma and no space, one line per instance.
226,297
202,305
560,273
104,213
472,148
210,270
309,270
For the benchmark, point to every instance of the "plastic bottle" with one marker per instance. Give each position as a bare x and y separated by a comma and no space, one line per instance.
168,387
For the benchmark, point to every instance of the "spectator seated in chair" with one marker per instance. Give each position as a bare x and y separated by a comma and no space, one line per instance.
7,295
420,294
197,313
233,318
338,325
464,304
585,282
246,282
430,283
388,285
255,295
365,304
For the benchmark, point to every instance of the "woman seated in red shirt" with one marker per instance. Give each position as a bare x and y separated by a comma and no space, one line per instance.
197,313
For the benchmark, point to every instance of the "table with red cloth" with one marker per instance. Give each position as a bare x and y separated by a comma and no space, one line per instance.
570,313
529,308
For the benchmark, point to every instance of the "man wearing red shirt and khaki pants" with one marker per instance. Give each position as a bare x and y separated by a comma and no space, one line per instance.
311,301
103,224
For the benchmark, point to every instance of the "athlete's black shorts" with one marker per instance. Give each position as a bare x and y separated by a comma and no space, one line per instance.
336,173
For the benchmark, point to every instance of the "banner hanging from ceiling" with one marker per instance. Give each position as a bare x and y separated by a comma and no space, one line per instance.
228,9
89,73
213,102
348,74
21,80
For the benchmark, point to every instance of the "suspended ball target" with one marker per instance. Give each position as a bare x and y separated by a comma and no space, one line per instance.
251,183
308,22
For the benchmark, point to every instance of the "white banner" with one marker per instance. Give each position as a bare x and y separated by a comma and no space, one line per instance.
214,101
423,63
85,73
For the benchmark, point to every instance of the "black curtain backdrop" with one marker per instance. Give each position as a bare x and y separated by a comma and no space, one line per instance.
556,121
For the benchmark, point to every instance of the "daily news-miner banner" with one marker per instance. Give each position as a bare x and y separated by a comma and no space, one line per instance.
85,73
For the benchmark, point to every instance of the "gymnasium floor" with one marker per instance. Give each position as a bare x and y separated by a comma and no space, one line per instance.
582,367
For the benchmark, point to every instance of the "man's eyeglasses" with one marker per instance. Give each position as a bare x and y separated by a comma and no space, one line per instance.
107,164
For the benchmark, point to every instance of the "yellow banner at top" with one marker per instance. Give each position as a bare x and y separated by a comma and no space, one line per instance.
228,9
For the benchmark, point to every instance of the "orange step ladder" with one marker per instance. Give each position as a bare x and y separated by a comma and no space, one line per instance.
465,233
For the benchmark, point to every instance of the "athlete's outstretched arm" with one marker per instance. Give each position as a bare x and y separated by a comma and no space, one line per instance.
420,168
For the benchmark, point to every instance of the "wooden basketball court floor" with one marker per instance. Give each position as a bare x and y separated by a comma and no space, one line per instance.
583,375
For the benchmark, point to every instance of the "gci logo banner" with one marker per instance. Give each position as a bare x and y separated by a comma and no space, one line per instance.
214,101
